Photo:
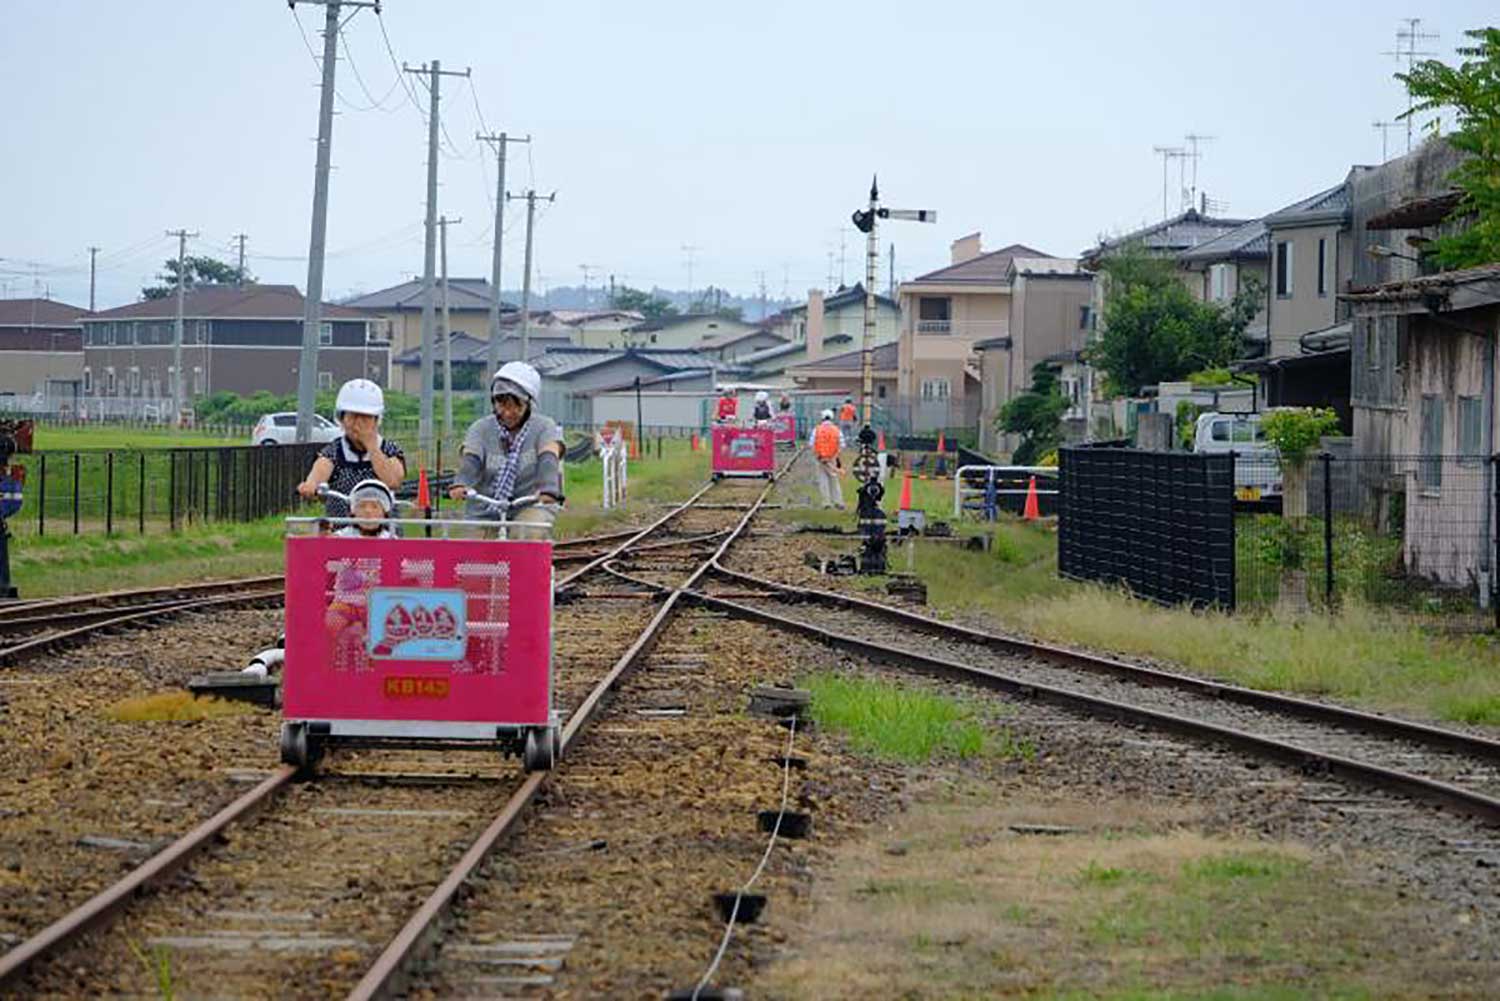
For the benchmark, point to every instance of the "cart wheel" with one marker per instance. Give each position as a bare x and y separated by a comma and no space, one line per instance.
294,750
542,749
300,748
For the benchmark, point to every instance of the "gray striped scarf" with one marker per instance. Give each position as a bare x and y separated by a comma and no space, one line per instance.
512,442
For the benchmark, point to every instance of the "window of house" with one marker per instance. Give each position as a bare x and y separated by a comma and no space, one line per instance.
153,382
934,389
1283,268
1470,430
1218,282
109,381
325,380
1430,468
934,314
197,380
133,381
88,381
1084,315
1322,267
325,334
880,391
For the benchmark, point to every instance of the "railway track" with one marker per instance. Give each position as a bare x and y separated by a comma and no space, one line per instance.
250,916
1453,769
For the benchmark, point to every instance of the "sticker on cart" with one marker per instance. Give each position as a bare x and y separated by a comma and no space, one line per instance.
415,624
744,448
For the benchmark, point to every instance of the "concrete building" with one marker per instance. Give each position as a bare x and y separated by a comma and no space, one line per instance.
1049,324
736,344
1312,260
41,352
684,332
843,314
240,340
943,315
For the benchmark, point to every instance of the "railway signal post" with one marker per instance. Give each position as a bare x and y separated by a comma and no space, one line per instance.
867,465
15,437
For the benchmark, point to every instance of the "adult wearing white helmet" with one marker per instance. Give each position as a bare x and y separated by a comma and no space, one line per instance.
360,453
762,406
514,452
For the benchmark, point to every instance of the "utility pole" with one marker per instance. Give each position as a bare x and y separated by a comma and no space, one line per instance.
891,278
587,270
177,397
1409,37
689,250
443,225
312,307
93,255
763,309
499,142
434,74
530,197
239,274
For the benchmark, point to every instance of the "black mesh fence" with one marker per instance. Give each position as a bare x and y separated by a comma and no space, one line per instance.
143,490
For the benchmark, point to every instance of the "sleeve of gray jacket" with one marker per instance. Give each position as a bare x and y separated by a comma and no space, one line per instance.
549,475
470,469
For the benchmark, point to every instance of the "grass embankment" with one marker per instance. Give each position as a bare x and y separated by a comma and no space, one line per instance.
68,564
107,436
1358,654
1120,903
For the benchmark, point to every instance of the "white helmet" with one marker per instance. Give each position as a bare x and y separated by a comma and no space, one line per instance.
762,396
372,490
359,396
516,377
828,415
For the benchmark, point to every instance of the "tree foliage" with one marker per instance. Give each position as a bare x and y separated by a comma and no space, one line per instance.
199,271
1035,415
1472,90
1153,330
1296,431
648,304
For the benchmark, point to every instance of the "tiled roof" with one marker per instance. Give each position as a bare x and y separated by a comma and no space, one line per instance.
39,312
1044,266
463,294
1437,286
989,268
560,363
734,337
1174,235
884,361
664,322
215,302
1247,241
792,347
1329,205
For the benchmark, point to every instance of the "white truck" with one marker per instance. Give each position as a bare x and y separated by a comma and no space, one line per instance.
1257,469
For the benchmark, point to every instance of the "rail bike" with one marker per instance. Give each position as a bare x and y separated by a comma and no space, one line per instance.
419,640
743,451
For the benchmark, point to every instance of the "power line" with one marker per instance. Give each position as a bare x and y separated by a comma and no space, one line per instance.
378,105
396,64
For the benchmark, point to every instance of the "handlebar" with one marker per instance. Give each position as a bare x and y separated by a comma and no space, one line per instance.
324,490
506,506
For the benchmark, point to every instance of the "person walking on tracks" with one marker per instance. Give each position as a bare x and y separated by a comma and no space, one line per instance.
848,418
827,443
515,452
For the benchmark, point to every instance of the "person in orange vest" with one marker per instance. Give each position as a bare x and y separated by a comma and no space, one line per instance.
848,418
827,443
729,407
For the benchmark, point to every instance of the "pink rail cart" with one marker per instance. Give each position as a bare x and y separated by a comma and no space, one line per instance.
419,642
741,451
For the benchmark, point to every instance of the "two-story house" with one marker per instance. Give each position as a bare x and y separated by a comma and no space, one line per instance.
843,315
41,350
683,332
944,313
1221,268
1312,259
240,339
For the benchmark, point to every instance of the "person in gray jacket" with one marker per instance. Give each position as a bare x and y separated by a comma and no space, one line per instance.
515,452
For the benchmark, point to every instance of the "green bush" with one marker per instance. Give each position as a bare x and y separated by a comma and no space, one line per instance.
1295,431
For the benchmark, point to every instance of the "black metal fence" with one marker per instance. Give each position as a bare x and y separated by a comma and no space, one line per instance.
1415,536
139,490
1160,523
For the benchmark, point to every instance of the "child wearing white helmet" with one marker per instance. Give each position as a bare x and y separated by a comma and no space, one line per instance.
514,452
371,503
762,406
360,453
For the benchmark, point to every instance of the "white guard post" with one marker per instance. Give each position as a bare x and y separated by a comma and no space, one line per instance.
962,492
616,459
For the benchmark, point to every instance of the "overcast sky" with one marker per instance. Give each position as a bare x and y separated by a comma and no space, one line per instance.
748,130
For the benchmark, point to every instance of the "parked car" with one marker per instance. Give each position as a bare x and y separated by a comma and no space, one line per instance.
281,429
1257,466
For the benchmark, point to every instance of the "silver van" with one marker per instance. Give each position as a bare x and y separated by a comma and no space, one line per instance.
1257,469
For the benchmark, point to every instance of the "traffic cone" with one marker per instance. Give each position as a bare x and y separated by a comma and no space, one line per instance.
695,441
880,441
1032,511
906,492
635,451
424,495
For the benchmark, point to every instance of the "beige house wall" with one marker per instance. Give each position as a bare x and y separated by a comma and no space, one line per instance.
976,314
1305,310
27,372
